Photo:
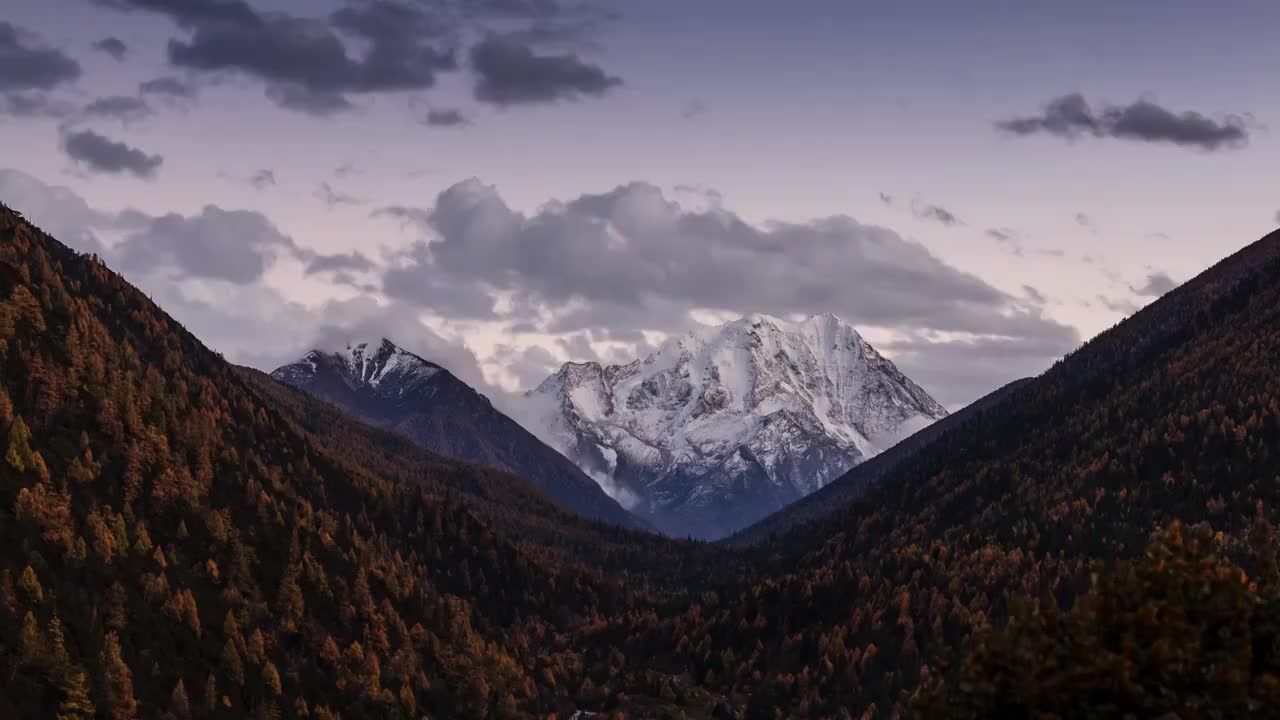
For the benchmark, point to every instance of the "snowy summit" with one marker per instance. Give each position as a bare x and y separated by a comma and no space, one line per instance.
392,388
724,425
363,364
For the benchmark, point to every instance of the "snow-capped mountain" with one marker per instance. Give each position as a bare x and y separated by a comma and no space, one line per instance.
387,386
379,369
722,426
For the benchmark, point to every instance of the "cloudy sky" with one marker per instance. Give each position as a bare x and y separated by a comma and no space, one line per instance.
504,185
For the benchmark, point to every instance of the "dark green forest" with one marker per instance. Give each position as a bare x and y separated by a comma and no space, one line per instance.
186,539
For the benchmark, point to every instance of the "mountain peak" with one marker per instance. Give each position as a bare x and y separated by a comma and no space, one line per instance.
367,344
827,322
385,385
729,422
363,348
362,362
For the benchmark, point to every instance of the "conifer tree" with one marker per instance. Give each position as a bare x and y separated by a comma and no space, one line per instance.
77,702
117,681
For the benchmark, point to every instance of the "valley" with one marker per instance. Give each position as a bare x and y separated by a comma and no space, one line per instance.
181,533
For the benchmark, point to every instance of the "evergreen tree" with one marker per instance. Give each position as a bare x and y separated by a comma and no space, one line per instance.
117,681
77,702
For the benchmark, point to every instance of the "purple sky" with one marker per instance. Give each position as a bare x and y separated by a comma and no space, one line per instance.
503,185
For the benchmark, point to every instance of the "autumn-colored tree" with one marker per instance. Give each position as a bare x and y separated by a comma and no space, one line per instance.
289,600
210,695
117,681
30,585
232,667
1185,633
179,705
77,700
460,589
271,680
20,457
31,643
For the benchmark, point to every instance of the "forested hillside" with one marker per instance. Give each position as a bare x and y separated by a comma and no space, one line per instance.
517,509
175,546
840,491
1173,415
181,538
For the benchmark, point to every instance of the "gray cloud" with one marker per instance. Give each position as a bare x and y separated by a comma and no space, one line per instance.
1034,295
1008,240
312,65
102,154
630,259
1071,117
1118,305
362,318
352,261
693,109
408,216
306,63
232,245
551,22
262,179
393,25
1068,116
509,72
305,99
699,194
1014,243
627,345
125,108
112,46
529,366
254,325
929,211
517,8
189,13
170,87
561,35
578,346
445,118
450,296
206,271
332,198
25,64
1157,284
34,105
57,210
924,210
956,372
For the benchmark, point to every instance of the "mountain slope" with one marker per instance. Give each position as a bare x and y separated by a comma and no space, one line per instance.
172,544
525,516
721,427
395,389
1171,416
844,489
180,538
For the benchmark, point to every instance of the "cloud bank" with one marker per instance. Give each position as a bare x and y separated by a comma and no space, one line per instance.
1072,117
